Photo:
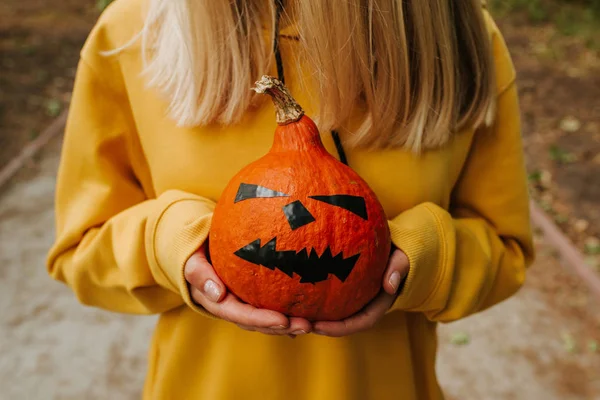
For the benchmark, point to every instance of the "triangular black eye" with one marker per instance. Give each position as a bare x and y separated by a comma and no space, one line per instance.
354,204
297,215
247,191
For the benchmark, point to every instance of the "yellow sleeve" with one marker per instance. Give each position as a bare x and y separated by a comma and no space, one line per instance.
115,247
475,254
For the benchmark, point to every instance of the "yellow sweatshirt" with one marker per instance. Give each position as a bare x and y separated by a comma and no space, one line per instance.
134,200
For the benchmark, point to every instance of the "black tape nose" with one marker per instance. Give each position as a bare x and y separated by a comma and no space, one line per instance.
297,215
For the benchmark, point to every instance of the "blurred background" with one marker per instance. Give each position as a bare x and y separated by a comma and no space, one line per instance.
542,344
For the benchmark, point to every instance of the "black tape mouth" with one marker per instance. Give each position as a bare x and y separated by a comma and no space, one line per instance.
310,266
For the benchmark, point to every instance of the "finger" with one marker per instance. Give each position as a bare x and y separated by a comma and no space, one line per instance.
233,310
264,331
298,326
396,271
200,274
247,328
201,299
359,322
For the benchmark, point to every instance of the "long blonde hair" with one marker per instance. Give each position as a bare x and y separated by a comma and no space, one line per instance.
422,69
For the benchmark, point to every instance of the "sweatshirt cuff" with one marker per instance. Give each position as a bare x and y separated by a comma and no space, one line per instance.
180,229
420,233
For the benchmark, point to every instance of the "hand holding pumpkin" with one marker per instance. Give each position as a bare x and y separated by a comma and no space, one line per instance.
209,291
396,272
294,244
297,231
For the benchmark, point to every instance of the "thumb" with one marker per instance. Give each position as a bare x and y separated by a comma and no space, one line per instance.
201,275
396,272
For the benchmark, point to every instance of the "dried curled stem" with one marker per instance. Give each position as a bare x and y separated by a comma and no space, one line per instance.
286,107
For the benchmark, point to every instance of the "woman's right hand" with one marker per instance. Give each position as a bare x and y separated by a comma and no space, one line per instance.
208,291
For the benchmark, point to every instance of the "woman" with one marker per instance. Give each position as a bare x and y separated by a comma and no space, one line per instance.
421,95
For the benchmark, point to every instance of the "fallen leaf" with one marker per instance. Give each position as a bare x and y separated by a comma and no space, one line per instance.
570,124
581,225
460,339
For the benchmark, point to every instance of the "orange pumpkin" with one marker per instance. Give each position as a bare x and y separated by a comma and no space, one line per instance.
297,231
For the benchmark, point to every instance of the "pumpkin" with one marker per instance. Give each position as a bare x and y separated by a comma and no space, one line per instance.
297,231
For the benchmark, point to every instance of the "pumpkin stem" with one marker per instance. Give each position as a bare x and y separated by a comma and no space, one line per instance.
287,109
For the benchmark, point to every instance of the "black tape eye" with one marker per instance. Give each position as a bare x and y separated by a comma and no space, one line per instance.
297,215
247,191
354,204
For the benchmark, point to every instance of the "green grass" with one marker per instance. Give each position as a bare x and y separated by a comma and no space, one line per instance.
53,107
561,155
579,18
102,4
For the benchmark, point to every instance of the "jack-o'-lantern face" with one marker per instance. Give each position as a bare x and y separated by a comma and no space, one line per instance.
310,266
285,241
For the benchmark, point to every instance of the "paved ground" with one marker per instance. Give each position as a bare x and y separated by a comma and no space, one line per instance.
541,344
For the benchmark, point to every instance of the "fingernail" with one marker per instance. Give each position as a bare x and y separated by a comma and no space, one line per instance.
279,327
394,280
300,332
319,332
212,291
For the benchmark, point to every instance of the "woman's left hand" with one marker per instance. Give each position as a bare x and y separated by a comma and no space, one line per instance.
396,272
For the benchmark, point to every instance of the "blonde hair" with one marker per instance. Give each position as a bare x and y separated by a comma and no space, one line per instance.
422,69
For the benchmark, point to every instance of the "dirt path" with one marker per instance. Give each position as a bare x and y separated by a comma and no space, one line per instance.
538,345
53,348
